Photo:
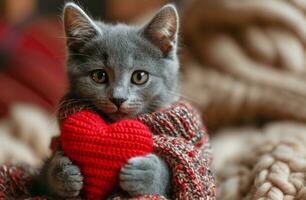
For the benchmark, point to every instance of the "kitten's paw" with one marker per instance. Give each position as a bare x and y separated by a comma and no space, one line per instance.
64,178
144,175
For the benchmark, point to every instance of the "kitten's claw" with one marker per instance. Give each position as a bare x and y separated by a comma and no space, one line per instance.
64,178
144,175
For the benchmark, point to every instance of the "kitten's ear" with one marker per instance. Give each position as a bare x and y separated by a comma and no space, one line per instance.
162,30
79,28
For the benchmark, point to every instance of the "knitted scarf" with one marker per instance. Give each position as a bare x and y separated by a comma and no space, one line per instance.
180,139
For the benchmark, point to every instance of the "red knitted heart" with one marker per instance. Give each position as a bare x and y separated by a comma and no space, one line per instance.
100,150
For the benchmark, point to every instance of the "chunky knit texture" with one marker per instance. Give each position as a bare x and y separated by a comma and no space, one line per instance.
101,150
179,138
14,180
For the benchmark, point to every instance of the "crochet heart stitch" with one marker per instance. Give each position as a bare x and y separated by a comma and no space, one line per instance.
101,149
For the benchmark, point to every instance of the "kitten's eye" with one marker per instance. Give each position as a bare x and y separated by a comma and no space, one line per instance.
99,76
140,77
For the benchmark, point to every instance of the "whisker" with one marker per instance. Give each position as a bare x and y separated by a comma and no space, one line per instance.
79,54
70,102
182,96
63,37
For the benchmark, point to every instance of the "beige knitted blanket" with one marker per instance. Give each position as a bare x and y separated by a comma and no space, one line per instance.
267,163
253,60
250,68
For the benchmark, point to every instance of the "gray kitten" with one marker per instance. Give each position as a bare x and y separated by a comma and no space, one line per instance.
124,71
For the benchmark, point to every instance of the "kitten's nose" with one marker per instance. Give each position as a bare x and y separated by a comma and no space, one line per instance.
117,101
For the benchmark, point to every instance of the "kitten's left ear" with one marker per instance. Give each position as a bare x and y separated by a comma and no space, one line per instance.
79,28
162,30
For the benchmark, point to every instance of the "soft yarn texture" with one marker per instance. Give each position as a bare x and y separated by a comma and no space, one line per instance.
179,138
247,69
101,150
262,163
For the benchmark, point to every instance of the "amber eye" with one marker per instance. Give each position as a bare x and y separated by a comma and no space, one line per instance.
99,76
140,77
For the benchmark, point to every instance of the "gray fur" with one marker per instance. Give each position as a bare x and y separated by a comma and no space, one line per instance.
121,50
145,175
64,179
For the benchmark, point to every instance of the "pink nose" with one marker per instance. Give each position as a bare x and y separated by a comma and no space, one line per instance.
117,101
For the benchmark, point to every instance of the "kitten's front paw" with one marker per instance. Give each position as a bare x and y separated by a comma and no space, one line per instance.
64,178
144,175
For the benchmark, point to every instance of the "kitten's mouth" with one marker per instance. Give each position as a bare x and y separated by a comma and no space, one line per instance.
118,112
121,112
124,112
119,115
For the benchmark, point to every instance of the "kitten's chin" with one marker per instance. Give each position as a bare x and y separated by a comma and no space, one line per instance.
124,112
116,115
120,116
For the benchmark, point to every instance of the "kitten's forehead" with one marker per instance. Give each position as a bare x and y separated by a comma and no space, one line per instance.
116,33
123,40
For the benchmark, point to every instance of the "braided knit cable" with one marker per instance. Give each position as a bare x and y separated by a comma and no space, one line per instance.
271,166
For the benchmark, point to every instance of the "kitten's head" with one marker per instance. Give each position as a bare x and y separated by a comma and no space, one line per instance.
123,70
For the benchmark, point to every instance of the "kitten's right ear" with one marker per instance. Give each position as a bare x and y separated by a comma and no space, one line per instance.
162,30
79,28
